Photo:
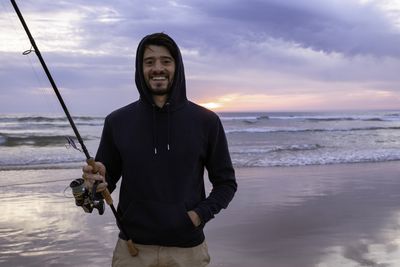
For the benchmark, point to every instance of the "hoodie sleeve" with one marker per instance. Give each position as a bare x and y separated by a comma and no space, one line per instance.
220,172
108,154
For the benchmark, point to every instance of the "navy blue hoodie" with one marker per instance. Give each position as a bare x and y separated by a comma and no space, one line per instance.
161,155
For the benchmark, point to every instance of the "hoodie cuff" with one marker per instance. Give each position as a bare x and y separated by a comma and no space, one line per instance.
205,214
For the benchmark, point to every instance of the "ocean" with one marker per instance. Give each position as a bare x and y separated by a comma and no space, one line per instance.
256,139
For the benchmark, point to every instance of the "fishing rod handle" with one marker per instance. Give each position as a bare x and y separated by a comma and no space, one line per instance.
132,249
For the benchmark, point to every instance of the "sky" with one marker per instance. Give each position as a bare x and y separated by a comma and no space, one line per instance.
239,55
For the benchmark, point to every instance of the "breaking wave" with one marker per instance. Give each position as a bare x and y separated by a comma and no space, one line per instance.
288,130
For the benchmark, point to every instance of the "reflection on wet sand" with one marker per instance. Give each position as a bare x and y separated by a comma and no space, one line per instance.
40,226
322,216
344,215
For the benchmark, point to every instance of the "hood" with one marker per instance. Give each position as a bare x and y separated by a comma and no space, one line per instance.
177,96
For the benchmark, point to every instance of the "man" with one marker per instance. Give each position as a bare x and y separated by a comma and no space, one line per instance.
161,145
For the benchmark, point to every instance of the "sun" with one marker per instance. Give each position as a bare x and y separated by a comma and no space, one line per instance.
211,105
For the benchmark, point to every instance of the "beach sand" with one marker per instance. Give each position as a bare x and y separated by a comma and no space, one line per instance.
331,215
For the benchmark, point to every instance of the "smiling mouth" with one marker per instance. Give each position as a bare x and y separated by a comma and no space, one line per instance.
158,78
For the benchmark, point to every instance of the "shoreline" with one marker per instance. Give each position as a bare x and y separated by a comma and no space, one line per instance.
79,164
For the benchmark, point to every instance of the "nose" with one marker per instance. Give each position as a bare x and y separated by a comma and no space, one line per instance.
158,66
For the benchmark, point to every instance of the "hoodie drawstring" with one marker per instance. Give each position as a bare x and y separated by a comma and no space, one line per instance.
154,130
155,141
168,130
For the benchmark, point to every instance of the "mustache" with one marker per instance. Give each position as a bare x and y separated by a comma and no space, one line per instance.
161,72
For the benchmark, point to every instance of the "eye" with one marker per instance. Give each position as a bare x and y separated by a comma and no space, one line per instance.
167,61
148,62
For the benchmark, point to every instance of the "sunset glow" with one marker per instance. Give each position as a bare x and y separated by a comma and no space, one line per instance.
211,105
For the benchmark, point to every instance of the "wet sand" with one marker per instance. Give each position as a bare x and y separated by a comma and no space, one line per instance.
333,215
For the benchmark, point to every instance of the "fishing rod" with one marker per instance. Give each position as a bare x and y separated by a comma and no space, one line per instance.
106,194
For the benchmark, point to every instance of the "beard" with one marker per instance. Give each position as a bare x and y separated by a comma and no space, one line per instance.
160,91
159,88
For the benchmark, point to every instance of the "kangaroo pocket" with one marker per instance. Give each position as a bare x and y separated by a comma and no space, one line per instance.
154,220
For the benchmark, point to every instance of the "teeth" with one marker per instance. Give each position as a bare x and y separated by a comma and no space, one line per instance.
158,78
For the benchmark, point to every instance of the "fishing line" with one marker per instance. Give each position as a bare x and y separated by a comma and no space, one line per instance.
79,184
66,188
42,87
34,183
47,99
43,182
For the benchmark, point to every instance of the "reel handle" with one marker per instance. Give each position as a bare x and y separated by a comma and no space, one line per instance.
106,194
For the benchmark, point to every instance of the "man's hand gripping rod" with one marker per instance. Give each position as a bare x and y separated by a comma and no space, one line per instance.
106,194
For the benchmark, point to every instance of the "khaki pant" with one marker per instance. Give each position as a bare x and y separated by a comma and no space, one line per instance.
157,256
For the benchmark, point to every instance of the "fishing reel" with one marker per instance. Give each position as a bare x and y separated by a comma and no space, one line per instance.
86,199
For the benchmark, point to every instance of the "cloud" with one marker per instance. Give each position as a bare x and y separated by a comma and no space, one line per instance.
331,26
272,48
359,253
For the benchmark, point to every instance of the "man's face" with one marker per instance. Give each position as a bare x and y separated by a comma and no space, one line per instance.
158,69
